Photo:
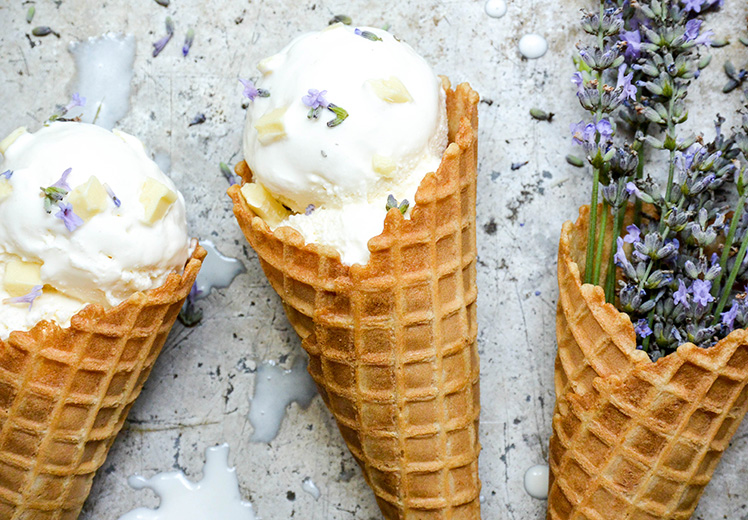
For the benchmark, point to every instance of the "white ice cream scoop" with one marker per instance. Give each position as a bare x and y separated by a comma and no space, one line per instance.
85,217
340,120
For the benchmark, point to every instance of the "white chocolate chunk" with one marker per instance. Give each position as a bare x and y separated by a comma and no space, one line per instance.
15,134
264,204
270,126
88,199
269,64
390,90
6,188
156,199
384,166
21,277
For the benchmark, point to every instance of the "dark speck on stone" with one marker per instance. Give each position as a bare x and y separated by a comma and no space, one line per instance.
495,175
547,174
521,224
490,228
291,496
517,420
517,165
488,102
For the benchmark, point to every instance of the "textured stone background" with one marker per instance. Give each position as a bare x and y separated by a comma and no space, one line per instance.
200,390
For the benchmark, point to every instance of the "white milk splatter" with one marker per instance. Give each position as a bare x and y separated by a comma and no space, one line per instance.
103,75
310,487
536,481
275,389
215,496
495,8
532,46
218,270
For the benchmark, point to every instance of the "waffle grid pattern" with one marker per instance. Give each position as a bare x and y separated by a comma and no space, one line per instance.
392,344
65,394
642,439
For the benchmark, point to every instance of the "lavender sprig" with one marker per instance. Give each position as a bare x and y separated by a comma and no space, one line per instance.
188,41
251,92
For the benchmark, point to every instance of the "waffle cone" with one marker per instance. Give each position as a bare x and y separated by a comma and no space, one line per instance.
392,344
633,439
65,393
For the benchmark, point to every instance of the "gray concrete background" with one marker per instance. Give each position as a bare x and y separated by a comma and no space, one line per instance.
199,392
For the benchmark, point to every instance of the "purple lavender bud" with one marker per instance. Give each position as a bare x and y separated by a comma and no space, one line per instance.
309,210
728,318
7,174
692,6
188,40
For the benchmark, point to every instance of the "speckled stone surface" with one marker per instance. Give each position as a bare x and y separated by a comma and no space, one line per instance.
200,391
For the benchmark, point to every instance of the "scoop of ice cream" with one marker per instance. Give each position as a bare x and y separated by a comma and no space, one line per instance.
85,217
340,120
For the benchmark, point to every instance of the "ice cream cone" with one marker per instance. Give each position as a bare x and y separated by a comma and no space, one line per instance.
633,439
65,393
392,344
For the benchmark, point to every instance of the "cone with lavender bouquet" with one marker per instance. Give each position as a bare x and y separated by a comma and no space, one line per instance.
652,368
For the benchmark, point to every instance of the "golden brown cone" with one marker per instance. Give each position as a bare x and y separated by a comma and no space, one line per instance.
633,439
392,344
65,393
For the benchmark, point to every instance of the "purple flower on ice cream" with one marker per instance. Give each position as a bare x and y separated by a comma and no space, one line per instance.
367,34
29,298
315,98
111,194
62,183
7,174
250,91
68,216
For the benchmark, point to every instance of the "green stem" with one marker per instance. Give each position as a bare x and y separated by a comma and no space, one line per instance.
610,278
600,244
728,244
731,280
588,265
639,149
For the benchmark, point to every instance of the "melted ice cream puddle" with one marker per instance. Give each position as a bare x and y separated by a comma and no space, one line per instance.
103,75
215,496
495,8
536,481
310,487
532,46
218,270
275,389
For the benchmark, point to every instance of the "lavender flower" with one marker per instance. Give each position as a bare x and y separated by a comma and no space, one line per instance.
642,328
577,79
63,182
68,217
701,292
7,174
728,318
76,101
633,40
29,298
693,6
693,27
633,234
250,91
315,99
680,297
188,40
309,210
624,83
